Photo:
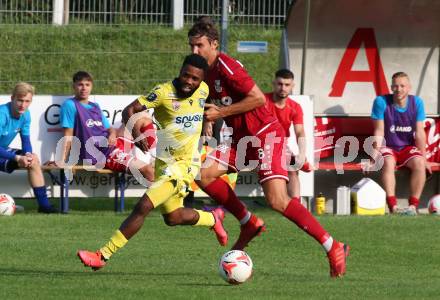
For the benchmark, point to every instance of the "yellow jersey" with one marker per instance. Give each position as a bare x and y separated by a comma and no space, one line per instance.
179,122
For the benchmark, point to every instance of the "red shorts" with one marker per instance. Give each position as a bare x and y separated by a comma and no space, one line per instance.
119,159
266,153
403,156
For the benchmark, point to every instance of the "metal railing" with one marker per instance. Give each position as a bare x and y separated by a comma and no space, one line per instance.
157,12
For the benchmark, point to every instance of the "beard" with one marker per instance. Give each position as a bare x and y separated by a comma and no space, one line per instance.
179,91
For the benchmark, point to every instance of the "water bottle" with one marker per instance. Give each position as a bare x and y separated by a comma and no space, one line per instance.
320,204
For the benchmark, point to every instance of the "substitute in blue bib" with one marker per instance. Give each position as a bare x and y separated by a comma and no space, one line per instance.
15,119
401,141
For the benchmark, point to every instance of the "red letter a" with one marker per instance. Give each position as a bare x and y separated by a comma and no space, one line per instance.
375,74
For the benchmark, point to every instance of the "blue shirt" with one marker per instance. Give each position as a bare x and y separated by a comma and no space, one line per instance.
68,114
10,126
380,104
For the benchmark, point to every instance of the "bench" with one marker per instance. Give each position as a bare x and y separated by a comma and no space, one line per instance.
354,166
61,180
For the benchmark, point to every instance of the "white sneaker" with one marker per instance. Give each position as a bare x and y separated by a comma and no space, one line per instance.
409,211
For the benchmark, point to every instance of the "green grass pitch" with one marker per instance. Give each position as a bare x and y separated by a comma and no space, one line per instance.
392,257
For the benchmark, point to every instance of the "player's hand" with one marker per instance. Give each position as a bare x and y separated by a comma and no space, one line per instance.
50,163
212,112
30,157
143,145
112,140
300,160
428,166
23,161
367,167
207,129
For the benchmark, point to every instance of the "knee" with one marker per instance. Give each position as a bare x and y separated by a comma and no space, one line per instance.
148,174
388,165
278,202
172,219
205,179
418,164
144,206
35,161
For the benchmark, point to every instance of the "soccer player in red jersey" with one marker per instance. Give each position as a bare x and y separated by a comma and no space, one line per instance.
289,112
237,99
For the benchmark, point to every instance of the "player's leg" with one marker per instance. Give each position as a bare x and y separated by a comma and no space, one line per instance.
389,181
122,159
222,193
174,214
276,195
211,183
293,186
417,180
158,193
35,177
146,170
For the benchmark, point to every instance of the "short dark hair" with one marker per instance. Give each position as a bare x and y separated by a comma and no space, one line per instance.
82,75
197,61
284,73
204,26
399,74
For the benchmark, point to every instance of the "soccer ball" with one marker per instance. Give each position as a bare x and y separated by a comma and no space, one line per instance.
434,204
7,205
235,267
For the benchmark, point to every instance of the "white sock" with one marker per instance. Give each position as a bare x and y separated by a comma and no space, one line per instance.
246,218
328,244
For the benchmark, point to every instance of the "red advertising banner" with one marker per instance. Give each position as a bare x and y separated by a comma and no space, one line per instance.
329,129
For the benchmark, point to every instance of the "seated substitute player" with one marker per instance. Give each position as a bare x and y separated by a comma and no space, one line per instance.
16,118
85,120
399,119
289,112
178,109
239,101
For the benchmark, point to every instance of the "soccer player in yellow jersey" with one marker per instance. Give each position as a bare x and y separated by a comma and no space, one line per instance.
178,109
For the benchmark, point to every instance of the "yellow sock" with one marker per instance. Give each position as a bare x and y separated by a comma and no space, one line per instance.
205,219
117,241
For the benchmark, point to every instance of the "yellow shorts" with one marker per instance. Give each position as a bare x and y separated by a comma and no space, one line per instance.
171,184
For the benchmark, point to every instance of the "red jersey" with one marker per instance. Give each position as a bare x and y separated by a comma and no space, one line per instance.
229,83
291,113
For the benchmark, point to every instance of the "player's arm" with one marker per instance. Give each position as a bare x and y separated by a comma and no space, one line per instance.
420,134
301,140
68,135
420,138
67,122
378,133
138,123
112,134
253,99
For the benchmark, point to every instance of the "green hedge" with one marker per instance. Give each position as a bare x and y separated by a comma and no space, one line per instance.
123,59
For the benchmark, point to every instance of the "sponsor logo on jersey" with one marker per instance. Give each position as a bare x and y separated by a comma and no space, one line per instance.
226,100
151,97
176,105
217,86
394,128
190,102
92,123
189,120
202,102
414,150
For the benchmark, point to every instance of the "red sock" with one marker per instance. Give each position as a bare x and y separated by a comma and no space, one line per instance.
391,202
413,201
222,193
304,220
150,133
